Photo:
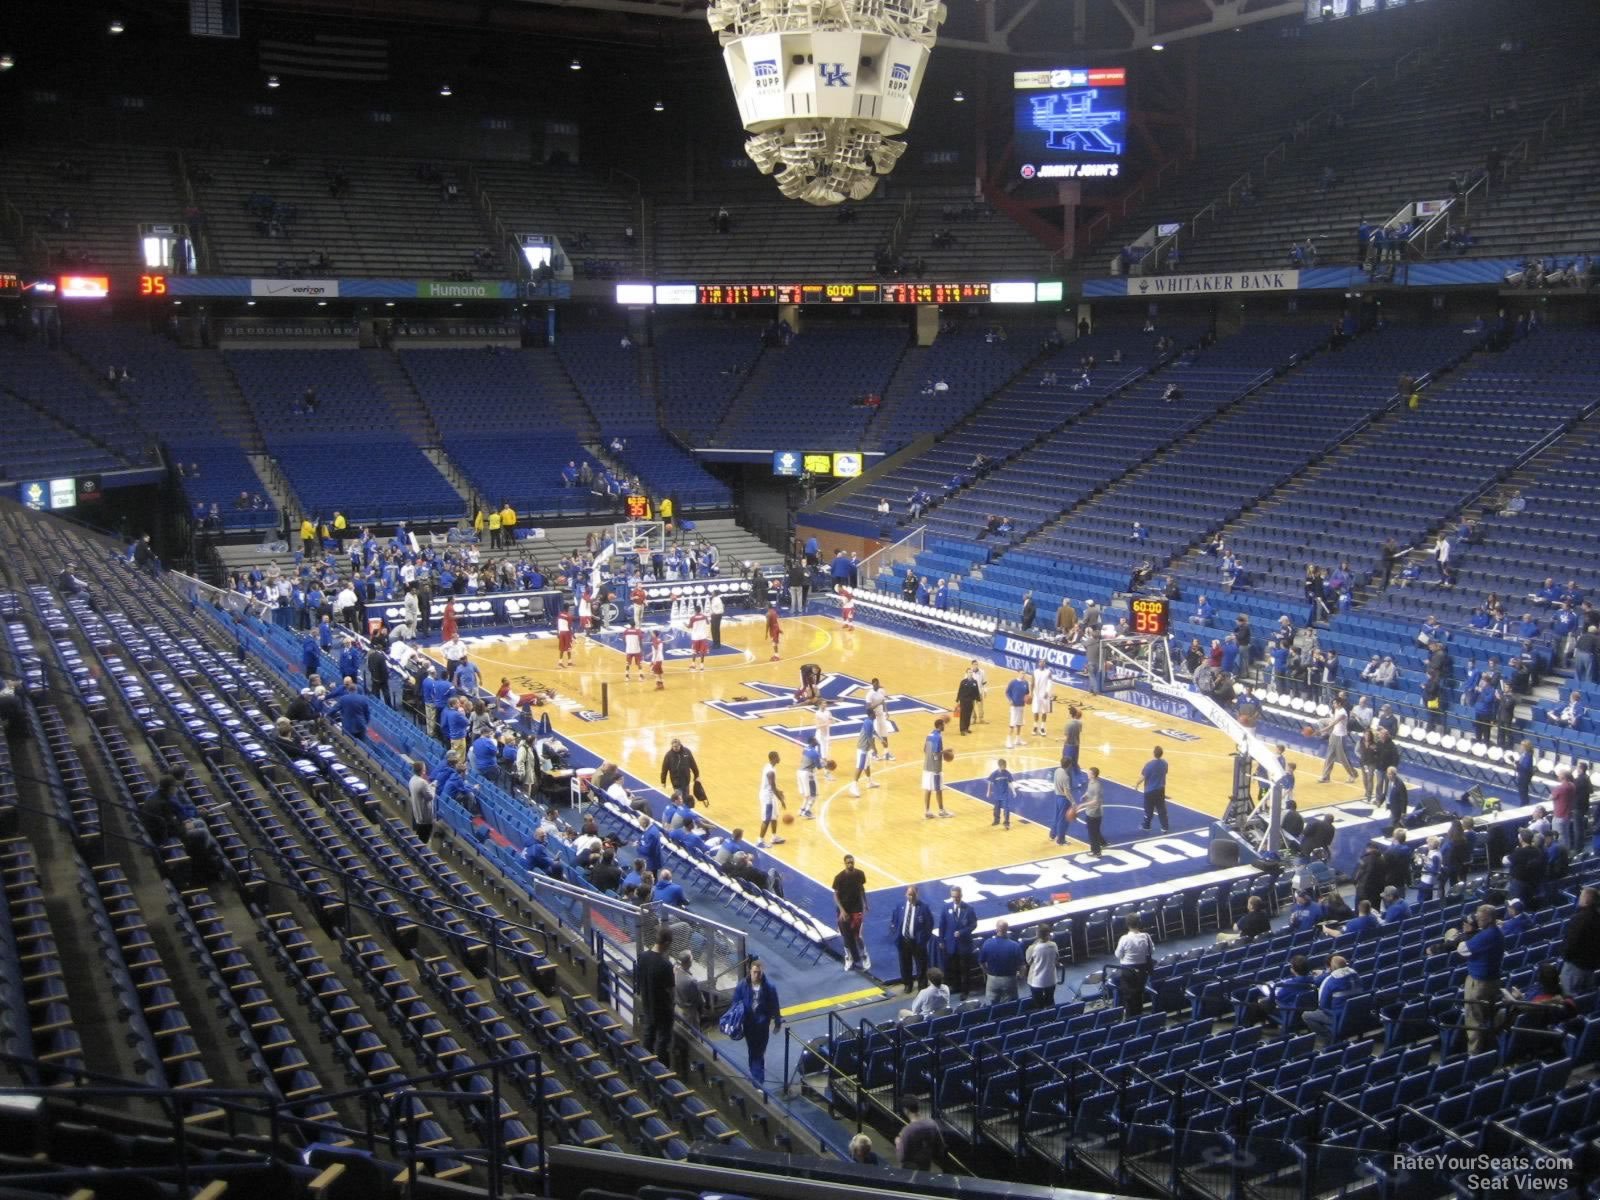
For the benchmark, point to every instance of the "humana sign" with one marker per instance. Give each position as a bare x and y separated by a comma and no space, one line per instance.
440,289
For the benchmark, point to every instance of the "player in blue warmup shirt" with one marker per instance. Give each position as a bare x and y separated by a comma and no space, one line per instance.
1154,775
1000,792
1017,698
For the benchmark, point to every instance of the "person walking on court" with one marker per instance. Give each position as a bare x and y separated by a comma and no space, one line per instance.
763,1016
770,799
1016,700
1061,819
699,640
1154,775
1092,809
850,901
1043,697
716,620
967,701
999,792
1134,953
865,741
774,629
1336,725
1072,739
823,728
876,698
933,770
654,992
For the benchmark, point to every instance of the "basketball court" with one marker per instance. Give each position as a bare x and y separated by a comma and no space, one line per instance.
741,706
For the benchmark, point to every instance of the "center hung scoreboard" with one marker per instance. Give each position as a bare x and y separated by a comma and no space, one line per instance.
841,292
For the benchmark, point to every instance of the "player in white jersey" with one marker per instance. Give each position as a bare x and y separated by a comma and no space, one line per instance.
982,680
700,637
824,730
633,651
877,702
564,637
1043,686
770,799
658,659
847,607
585,612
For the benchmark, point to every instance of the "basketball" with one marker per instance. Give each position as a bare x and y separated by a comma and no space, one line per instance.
830,765
1308,730
949,756
788,818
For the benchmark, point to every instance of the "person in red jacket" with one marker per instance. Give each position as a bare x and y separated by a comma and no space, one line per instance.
1564,806
447,627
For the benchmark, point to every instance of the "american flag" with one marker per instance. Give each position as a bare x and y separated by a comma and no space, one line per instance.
326,56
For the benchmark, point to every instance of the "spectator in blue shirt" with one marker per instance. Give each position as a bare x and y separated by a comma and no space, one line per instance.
454,723
1395,907
1001,960
1363,923
354,713
1305,913
1518,920
1202,611
1334,986
485,757
1290,992
1528,628
1154,775
1483,945
669,891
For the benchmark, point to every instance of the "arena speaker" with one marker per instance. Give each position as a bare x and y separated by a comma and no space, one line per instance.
824,85
1224,852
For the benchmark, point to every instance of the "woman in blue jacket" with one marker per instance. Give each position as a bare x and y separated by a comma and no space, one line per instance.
762,1016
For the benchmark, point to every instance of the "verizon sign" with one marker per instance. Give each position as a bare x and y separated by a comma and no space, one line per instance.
315,289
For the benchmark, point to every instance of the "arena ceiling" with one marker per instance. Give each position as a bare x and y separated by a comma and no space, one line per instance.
1046,28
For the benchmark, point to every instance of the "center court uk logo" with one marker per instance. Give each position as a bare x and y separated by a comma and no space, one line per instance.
843,692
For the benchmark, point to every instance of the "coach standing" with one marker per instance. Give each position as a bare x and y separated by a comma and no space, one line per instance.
956,924
912,922
679,766
1154,775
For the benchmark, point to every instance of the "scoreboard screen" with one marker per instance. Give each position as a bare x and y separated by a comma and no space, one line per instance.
1150,616
1070,122
738,293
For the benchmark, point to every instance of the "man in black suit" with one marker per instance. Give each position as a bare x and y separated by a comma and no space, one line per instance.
654,991
1396,796
912,922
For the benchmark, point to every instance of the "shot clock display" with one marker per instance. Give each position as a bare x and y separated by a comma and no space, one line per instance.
152,285
1150,616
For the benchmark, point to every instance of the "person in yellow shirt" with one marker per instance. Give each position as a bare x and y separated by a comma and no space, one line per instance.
665,509
508,525
339,524
494,529
477,523
308,532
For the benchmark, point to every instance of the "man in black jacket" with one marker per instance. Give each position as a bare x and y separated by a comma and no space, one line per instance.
1526,866
1580,945
967,697
655,990
679,766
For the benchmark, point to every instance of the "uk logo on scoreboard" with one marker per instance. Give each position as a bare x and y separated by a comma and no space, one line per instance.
834,75
1071,122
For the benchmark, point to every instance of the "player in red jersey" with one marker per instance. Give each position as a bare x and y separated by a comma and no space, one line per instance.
564,637
847,607
633,652
700,636
658,659
774,629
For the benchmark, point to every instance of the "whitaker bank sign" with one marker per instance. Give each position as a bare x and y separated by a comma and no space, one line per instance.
1227,281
